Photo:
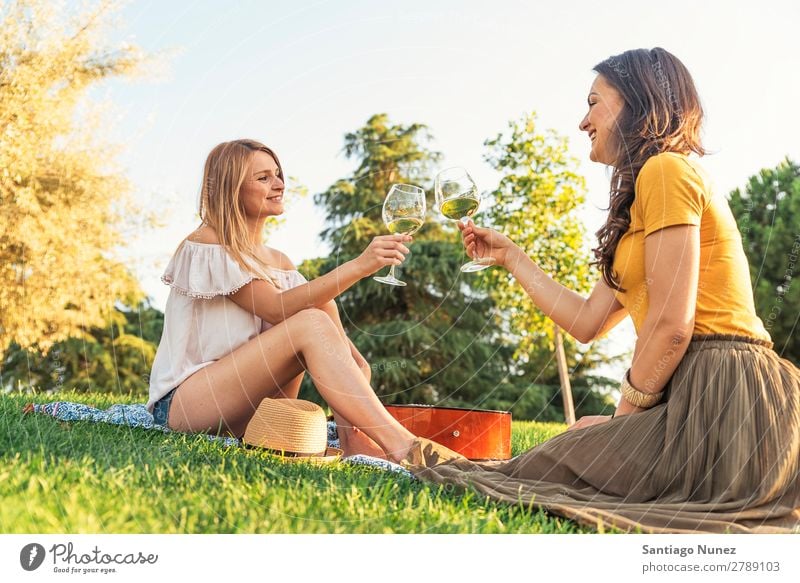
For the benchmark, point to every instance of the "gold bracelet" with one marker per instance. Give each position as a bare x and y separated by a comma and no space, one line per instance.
636,397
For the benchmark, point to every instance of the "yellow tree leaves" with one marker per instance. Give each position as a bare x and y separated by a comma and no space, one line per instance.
63,205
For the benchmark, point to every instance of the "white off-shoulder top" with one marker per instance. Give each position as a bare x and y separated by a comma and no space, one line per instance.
201,324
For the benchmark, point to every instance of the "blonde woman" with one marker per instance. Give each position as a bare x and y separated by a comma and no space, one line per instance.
706,435
241,323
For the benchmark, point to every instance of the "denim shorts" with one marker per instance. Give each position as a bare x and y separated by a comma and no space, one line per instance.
161,408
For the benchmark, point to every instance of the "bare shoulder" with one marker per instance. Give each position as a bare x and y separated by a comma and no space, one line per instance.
276,258
203,234
273,257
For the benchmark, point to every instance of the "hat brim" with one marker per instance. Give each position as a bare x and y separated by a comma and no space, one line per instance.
332,454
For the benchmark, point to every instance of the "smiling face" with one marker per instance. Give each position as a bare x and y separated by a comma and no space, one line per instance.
261,193
600,123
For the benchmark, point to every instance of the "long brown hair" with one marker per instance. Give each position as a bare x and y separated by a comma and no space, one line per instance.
220,205
662,113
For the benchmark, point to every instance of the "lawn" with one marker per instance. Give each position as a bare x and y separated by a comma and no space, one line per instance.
95,478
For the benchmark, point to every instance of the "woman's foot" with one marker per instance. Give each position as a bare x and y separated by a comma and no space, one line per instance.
401,454
355,442
427,453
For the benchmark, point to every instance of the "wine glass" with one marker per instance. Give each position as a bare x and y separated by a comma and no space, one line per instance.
457,198
403,213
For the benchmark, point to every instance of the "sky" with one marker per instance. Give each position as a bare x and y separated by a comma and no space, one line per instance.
298,75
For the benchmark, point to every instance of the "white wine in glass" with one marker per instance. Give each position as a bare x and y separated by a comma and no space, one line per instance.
404,226
403,214
458,199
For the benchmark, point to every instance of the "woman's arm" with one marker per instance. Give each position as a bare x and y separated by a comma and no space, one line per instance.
273,305
583,318
672,266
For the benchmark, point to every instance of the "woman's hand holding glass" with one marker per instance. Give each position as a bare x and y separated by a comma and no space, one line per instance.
458,198
383,251
482,242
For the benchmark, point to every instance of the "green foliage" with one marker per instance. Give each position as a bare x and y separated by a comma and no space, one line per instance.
535,205
96,478
767,212
386,154
113,359
536,392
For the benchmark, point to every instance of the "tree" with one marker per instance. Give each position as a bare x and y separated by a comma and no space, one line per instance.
767,212
386,154
62,203
432,341
114,358
535,205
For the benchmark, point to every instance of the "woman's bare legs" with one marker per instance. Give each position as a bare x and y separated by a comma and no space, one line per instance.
291,389
352,440
224,395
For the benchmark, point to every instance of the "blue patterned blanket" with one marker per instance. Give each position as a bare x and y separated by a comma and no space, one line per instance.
139,416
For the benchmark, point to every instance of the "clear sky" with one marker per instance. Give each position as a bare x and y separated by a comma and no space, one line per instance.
298,75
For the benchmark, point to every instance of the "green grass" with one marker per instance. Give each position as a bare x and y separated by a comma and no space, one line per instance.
94,478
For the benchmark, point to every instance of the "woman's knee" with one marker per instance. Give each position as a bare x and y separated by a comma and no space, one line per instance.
312,322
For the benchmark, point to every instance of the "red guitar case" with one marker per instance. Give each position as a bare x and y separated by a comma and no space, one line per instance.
474,433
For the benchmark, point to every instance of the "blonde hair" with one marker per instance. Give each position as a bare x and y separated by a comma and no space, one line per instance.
221,209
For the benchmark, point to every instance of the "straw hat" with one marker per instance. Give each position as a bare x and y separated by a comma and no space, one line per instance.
292,428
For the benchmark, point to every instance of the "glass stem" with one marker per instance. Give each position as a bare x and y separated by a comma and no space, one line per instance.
465,221
391,272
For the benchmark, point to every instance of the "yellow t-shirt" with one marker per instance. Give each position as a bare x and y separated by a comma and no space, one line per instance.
672,190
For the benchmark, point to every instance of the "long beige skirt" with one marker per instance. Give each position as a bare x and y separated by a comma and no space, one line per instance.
720,454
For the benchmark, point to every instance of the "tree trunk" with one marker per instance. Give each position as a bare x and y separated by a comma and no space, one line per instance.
563,375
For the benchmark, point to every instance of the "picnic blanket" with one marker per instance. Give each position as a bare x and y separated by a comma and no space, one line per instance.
139,416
